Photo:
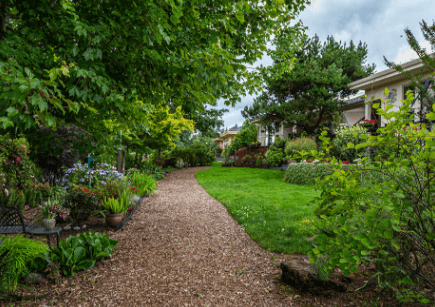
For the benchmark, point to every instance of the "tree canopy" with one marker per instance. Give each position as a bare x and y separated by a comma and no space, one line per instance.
69,61
308,93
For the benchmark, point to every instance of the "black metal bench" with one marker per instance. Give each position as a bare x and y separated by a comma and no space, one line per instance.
12,221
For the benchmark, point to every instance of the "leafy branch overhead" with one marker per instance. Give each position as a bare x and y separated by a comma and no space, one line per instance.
78,61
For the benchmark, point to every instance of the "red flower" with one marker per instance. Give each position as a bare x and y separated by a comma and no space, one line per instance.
372,121
345,162
86,191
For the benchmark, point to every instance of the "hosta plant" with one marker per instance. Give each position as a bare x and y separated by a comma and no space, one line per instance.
81,252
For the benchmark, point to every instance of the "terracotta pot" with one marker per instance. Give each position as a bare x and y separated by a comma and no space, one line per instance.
113,219
49,223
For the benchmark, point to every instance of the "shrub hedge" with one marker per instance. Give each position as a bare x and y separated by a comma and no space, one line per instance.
306,173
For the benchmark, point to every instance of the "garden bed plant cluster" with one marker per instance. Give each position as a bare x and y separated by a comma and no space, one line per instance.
85,193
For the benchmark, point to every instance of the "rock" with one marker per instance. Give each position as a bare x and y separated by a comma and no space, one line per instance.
83,226
67,227
76,228
33,278
303,279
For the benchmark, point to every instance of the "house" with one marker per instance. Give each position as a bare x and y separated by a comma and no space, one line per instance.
357,108
352,112
397,83
227,137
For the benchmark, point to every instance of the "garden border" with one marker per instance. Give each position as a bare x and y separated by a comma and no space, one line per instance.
124,221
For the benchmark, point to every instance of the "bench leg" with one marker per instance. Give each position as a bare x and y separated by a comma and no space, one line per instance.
57,234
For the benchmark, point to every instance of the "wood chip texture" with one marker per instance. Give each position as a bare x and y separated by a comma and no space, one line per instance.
180,248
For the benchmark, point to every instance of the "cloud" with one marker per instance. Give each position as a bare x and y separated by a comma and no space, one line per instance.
342,36
406,54
379,24
316,4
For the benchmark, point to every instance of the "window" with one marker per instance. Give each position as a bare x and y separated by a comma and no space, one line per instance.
407,88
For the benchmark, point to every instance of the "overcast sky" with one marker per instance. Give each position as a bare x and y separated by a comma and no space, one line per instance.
379,23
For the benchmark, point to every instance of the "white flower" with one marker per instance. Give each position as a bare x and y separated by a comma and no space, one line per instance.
7,192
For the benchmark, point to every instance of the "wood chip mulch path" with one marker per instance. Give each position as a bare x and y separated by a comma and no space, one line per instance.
181,248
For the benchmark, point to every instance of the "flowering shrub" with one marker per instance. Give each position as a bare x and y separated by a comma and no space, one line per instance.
368,123
16,170
300,144
80,175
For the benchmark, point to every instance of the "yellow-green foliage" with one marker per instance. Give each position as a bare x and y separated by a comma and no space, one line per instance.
113,205
21,255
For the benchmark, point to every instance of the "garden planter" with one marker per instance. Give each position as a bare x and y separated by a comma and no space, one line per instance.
113,219
372,129
49,223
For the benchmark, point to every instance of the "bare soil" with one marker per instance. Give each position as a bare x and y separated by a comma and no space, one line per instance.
183,248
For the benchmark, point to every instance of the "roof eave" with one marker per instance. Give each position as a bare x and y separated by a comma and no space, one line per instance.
380,77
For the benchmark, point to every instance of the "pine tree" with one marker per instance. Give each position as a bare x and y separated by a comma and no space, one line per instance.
308,94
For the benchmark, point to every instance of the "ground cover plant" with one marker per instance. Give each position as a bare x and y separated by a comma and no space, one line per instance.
275,214
21,254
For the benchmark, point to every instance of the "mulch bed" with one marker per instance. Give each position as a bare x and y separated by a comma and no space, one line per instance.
183,248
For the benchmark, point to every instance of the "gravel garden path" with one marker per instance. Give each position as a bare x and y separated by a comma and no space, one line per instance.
181,248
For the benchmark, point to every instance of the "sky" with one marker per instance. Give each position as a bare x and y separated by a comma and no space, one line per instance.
378,23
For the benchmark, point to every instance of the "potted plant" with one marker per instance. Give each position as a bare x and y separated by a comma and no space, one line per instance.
49,211
115,208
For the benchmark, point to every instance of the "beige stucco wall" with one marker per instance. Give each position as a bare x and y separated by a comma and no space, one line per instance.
397,88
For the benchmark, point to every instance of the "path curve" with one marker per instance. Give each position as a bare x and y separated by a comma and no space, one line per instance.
181,248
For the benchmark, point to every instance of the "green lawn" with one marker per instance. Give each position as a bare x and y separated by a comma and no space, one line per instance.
275,214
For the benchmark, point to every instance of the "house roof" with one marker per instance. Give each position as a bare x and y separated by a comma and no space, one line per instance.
387,76
228,133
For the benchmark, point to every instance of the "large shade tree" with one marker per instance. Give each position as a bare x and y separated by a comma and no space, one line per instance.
76,61
308,93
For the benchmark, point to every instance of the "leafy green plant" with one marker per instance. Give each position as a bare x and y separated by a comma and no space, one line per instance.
145,185
229,162
388,223
81,204
14,199
81,252
195,155
345,135
274,156
245,137
319,268
21,254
